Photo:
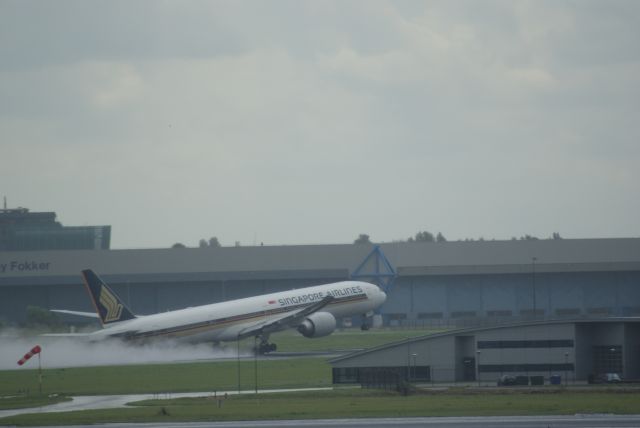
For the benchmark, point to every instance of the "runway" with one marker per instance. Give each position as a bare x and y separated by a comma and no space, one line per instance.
583,421
118,401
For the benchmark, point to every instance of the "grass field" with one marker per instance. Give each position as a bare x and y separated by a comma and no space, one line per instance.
348,404
289,341
159,378
20,386
204,376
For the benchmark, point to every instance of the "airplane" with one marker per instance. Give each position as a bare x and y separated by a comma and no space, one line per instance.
311,310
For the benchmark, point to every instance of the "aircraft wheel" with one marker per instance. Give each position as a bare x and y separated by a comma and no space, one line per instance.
265,348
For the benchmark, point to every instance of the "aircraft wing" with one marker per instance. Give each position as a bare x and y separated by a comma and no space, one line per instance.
79,313
287,321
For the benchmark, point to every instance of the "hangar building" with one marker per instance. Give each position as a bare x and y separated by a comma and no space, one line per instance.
444,283
573,349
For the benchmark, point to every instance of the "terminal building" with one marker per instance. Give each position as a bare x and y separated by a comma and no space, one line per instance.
454,284
21,230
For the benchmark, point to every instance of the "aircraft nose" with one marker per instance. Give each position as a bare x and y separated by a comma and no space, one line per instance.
382,296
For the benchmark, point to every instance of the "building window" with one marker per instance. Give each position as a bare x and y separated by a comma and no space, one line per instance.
463,314
598,311
499,313
429,315
567,312
509,344
381,376
397,316
532,313
523,368
631,310
345,375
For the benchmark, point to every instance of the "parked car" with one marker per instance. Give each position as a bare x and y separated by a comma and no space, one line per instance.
507,380
610,378
604,378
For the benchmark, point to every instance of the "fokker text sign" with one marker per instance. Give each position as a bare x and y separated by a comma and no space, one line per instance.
24,266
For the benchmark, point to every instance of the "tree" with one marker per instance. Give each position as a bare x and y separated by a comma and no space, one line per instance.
362,239
528,237
212,242
178,245
423,237
440,238
556,236
37,316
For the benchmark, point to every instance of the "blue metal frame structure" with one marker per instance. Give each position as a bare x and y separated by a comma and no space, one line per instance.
383,274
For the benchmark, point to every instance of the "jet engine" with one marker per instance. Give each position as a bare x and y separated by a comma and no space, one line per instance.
317,325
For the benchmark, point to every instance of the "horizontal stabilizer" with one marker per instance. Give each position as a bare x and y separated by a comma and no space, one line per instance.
67,335
79,313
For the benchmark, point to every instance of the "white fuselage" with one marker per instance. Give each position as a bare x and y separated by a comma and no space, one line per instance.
225,321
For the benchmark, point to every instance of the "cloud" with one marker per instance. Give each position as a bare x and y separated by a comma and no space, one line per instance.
265,118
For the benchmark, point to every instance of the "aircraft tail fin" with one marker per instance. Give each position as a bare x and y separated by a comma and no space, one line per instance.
109,306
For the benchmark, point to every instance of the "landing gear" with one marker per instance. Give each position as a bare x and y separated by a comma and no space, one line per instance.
365,323
265,347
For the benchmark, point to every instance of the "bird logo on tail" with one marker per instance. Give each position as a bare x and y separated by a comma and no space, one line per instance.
110,303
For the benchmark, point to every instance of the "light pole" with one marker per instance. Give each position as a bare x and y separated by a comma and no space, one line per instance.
255,362
414,356
533,281
238,341
408,359
478,352
613,362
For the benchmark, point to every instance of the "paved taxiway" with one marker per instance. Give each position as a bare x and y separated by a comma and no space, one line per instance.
95,402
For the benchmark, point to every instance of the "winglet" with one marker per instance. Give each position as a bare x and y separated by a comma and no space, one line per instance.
109,306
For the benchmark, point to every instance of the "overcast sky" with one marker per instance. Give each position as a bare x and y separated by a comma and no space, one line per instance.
302,122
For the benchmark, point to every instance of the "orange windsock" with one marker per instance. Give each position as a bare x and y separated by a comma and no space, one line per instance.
35,350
